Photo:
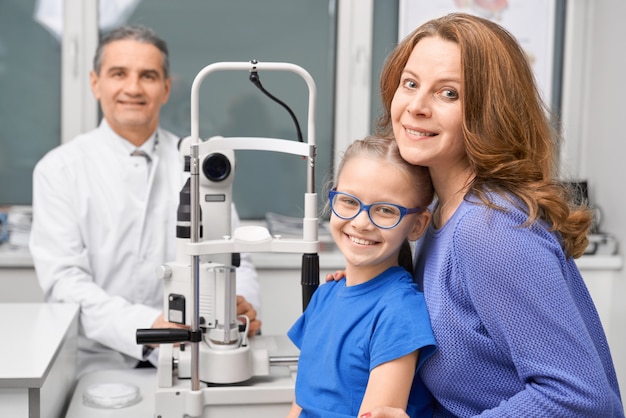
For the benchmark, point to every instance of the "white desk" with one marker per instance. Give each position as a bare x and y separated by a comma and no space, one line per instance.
261,396
232,401
281,300
37,359
144,379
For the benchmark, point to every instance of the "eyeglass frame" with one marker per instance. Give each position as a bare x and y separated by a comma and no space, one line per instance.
363,207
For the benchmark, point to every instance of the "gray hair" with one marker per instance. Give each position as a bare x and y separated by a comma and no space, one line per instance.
135,33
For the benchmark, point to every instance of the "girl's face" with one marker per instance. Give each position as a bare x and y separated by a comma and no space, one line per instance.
369,250
426,109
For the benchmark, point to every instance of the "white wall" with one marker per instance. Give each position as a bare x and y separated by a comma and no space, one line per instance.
595,113
604,137
595,105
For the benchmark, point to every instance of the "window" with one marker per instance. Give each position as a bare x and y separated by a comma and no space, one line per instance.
331,39
299,32
30,80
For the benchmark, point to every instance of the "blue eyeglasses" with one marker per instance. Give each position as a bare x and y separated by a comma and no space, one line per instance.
384,215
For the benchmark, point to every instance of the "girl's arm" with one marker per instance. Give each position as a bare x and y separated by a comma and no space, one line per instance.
295,410
390,384
385,412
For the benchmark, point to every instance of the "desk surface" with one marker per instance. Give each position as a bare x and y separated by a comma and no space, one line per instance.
260,396
20,258
34,333
144,379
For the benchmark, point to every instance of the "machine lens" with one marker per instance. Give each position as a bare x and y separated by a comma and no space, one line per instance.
216,167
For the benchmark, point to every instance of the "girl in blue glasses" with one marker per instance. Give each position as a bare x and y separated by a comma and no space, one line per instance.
363,338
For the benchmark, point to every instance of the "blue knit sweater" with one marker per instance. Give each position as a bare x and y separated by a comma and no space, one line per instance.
517,331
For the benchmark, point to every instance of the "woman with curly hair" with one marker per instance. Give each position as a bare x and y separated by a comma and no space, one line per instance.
517,332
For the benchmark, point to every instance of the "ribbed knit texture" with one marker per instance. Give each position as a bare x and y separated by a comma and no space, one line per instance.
517,331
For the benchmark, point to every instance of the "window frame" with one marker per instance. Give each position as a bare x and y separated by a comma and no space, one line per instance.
79,109
353,71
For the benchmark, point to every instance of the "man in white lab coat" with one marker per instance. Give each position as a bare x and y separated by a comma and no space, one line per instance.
104,208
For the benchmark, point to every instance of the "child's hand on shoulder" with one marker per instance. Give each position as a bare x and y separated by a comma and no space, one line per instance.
336,276
385,412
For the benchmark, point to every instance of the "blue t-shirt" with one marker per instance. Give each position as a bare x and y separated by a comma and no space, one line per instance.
346,331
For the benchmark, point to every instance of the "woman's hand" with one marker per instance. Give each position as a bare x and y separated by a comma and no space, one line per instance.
385,412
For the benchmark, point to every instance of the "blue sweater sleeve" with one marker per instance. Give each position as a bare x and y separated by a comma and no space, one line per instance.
528,300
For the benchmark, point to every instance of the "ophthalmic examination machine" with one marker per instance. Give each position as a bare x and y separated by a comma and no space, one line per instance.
213,369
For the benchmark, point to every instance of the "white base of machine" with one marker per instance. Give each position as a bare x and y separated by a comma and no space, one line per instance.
261,396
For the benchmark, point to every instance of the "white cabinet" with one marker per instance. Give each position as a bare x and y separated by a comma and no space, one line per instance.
281,291
279,274
602,275
38,366
19,284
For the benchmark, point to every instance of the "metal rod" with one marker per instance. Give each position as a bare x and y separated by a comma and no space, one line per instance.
194,171
259,66
284,361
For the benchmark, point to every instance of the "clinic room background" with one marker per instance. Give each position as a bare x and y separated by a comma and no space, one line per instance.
46,49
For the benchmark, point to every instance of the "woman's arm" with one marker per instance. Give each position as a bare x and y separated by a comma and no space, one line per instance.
390,383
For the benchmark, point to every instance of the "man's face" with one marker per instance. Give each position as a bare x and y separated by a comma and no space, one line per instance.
131,88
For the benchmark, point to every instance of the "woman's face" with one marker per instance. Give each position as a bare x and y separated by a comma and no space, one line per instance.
426,109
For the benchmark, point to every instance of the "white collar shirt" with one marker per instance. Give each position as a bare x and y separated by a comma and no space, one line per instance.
101,226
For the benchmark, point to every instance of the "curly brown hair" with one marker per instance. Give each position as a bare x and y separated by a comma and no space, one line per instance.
510,143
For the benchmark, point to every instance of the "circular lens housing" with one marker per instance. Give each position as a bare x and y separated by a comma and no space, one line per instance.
216,167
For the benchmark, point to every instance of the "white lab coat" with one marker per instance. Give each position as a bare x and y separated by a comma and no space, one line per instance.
102,223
